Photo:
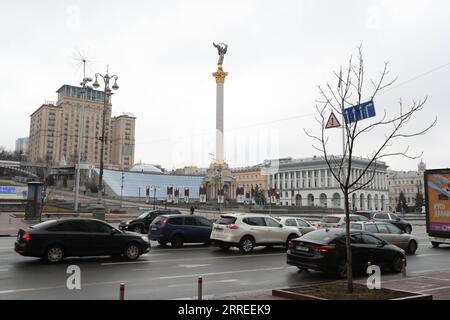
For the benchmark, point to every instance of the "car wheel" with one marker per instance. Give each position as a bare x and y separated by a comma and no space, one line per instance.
397,264
224,247
246,244
408,229
132,251
138,229
291,236
177,241
435,244
341,270
163,243
54,254
412,247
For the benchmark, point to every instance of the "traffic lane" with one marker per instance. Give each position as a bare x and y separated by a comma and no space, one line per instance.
30,273
168,279
169,269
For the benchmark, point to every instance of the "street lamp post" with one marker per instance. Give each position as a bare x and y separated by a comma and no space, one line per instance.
121,189
84,89
99,207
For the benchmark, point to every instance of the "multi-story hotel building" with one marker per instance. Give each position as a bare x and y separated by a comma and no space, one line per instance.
408,182
58,129
309,182
249,178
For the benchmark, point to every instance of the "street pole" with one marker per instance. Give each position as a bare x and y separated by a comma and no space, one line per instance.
121,189
154,198
106,101
85,88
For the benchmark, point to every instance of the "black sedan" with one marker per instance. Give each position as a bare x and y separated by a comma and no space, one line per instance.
325,250
142,223
54,240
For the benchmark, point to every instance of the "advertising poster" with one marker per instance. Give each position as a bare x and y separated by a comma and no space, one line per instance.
438,201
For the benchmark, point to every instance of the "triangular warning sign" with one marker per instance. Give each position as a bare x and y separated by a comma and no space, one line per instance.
332,122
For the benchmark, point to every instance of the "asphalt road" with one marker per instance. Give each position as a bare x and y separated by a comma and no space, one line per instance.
167,273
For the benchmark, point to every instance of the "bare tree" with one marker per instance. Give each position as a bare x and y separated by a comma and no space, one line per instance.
351,91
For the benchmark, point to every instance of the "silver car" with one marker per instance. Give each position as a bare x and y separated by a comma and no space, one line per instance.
302,225
389,233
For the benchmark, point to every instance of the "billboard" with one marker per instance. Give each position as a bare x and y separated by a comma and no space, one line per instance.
437,196
13,192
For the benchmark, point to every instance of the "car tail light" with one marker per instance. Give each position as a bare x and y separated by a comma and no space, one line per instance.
324,248
165,221
232,226
26,236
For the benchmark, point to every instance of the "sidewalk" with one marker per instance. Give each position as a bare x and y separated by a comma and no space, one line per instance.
436,284
10,225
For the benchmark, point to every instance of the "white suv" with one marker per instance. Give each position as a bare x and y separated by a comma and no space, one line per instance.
247,231
338,220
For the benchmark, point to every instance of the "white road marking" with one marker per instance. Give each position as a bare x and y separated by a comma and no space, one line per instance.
430,254
185,249
133,262
193,265
428,271
193,283
190,259
220,273
3,270
439,288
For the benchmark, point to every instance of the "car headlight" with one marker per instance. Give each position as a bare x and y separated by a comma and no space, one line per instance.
145,238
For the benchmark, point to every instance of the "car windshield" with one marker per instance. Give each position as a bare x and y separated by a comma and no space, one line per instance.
142,216
394,216
355,226
330,219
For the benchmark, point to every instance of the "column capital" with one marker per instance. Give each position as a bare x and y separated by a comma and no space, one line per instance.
220,75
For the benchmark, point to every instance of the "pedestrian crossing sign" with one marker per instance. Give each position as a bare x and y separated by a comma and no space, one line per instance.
332,122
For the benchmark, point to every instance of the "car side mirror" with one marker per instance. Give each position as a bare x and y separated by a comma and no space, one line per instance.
114,231
280,225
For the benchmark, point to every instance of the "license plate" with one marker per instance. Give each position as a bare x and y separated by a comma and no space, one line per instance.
154,229
302,248
218,229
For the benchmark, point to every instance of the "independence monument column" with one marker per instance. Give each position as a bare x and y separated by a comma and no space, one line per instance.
219,180
220,75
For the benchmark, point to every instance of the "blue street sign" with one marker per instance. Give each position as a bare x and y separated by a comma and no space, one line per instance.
360,112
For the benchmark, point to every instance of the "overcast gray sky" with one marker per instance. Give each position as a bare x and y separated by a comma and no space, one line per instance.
279,51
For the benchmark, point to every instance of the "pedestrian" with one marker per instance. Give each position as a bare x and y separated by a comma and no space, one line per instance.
192,209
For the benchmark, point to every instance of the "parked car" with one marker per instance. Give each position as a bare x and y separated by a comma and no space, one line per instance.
337,220
302,225
325,250
54,240
389,233
179,229
142,223
247,231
